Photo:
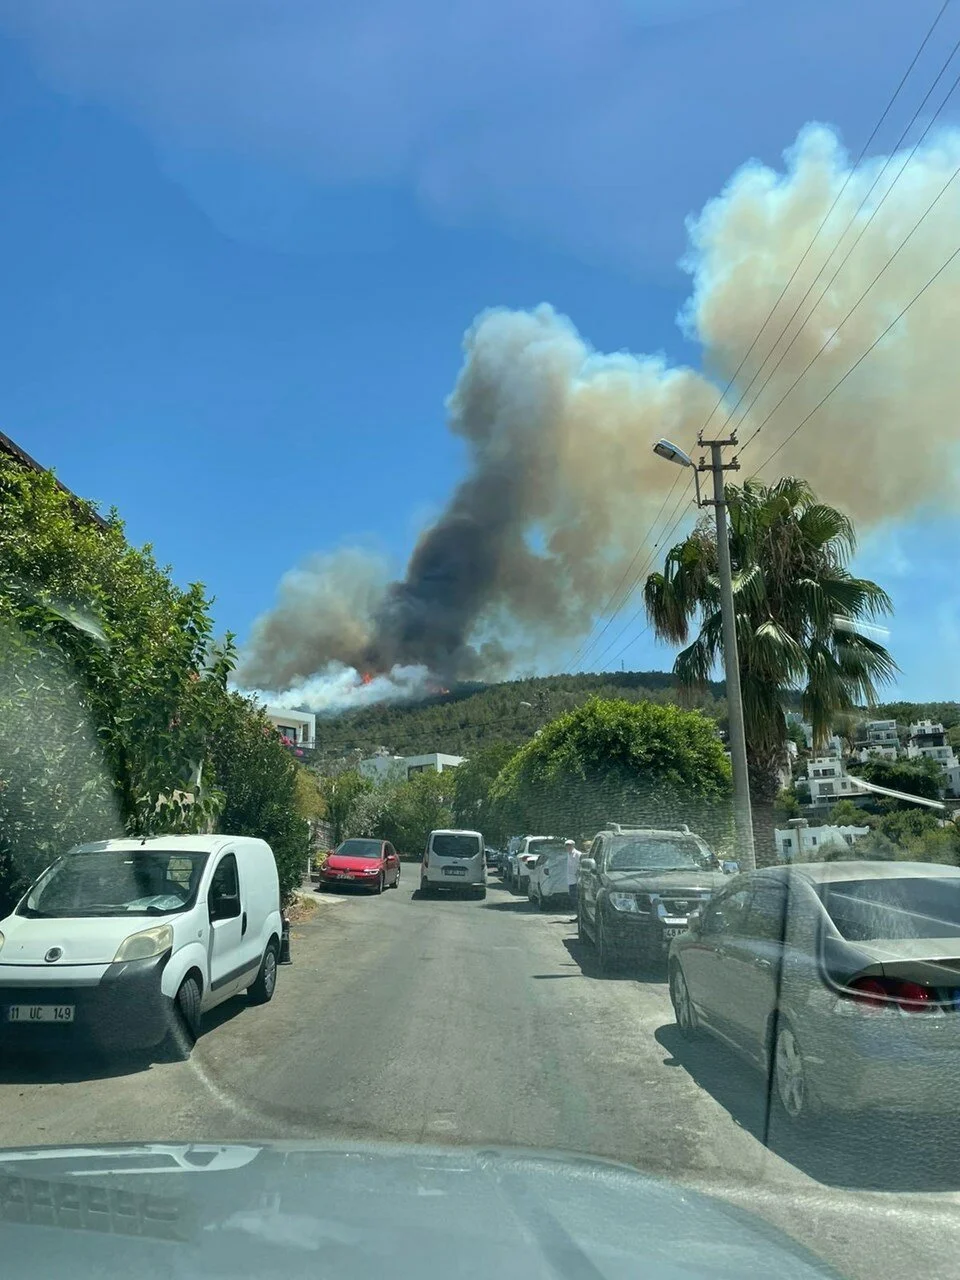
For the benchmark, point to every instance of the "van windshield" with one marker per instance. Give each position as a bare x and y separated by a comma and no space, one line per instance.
116,882
450,845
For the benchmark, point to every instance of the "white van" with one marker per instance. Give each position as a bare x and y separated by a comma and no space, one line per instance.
454,860
132,941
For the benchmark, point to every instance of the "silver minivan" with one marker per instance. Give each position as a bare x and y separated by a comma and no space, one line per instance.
454,860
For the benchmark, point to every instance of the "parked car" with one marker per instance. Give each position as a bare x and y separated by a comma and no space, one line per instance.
841,980
503,862
454,860
131,942
548,877
491,856
637,887
521,862
365,863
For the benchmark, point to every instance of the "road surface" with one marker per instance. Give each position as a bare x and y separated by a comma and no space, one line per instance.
485,1022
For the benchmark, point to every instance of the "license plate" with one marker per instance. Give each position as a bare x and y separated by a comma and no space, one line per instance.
454,871
674,931
40,1013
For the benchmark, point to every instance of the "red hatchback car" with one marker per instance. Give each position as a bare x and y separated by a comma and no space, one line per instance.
373,864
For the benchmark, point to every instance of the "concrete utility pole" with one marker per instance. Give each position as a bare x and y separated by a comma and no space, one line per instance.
743,809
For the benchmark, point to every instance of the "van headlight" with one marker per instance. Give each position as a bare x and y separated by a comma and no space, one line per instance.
146,944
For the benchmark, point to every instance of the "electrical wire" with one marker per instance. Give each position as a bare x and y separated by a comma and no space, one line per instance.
848,254
897,318
590,642
830,339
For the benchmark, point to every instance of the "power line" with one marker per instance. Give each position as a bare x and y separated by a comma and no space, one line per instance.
803,421
852,248
840,381
836,201
664,537
589,643
830,338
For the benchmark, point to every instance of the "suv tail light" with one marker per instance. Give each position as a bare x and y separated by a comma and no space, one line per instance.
888,995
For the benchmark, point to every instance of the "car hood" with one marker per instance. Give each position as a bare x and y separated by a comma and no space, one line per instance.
666,881
340,862
358,1212
28,940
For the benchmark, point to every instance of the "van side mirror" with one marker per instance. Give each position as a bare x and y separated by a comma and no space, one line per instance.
588,864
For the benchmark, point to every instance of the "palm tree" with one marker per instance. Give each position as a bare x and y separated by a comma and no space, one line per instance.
798,612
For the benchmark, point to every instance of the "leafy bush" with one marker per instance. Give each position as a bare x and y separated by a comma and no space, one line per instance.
114,712
260,782
56,787
635,763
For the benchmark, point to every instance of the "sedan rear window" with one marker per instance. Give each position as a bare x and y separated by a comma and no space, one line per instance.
864,910
450,845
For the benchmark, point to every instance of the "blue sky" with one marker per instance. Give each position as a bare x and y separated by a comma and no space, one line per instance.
240,252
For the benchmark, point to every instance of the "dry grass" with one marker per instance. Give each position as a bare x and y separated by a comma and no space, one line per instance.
301,909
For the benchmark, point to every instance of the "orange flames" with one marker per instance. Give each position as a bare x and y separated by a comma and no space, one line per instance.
366,678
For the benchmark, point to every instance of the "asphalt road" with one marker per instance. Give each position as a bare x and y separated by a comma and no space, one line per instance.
485,1022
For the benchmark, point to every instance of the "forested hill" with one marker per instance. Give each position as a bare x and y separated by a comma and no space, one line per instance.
473,716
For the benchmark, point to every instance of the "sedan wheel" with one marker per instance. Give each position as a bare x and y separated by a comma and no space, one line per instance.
683,1009
789,1073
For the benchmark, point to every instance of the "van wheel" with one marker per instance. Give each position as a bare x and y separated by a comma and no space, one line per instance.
481,893
265,984
424,887
185,1021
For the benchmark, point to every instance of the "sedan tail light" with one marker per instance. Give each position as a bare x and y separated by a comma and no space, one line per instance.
874,995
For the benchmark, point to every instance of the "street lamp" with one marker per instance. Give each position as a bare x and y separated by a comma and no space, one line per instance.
743,816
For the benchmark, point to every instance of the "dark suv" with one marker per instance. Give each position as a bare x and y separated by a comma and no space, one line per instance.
638,885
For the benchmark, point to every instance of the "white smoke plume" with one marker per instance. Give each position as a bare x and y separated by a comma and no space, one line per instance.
562,484
338,688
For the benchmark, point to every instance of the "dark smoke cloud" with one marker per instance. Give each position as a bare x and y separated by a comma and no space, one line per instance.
563,485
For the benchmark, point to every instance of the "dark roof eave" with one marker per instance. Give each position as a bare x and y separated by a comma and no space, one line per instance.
13,450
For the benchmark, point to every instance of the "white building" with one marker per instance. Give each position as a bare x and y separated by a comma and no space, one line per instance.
878,738
799,839
863,754
832,746
298,727
383,766
435,762
928,741
828,780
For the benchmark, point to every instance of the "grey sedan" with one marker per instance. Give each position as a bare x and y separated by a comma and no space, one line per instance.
839,980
